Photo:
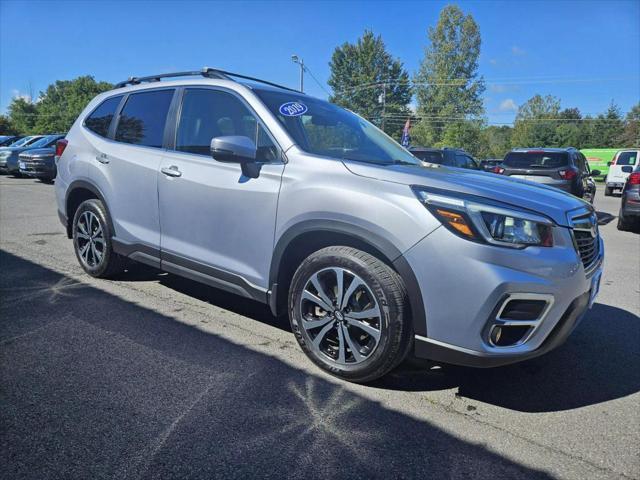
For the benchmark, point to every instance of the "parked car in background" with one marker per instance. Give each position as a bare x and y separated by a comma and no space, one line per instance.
252,189
629,215
9,156
7,140
490,163
450,157
38,163
563,168
618,174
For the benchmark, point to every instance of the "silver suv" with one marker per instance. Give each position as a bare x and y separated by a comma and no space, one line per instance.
289,200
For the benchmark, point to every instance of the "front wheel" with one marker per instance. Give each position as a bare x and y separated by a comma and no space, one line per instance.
92,241
348,312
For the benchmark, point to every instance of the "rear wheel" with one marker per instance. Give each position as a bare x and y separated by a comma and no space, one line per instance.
626,225
608,191
348,312
92,241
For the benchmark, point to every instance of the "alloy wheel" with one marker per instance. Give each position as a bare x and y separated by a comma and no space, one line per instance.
90,241
340,316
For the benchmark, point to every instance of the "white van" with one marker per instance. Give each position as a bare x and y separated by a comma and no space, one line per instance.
619,169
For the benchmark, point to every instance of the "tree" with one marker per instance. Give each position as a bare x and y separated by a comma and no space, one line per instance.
495,141
366,79
448,88
630,136
64,100
6,128
536,122
568,128
608,127
22,115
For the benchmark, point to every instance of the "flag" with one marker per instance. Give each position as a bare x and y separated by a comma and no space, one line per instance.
406,138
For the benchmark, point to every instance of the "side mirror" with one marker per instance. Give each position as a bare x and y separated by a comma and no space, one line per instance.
627,169
236,149
595,173
609,164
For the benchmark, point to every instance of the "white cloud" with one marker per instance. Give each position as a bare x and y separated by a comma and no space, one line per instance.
496,88
517,51
508,105
18,94
493,61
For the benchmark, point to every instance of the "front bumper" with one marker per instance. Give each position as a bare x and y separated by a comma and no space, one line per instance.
462,283
40,168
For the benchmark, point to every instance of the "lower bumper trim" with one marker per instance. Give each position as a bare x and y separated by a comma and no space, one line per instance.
442,352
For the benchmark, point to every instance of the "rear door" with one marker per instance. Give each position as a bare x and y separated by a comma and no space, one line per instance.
214,220
617,174
126,167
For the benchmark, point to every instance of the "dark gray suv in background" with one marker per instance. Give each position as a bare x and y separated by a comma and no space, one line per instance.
563,168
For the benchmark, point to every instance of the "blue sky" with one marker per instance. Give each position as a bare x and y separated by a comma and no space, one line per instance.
587,53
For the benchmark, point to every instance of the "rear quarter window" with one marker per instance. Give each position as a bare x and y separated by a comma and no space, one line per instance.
100,119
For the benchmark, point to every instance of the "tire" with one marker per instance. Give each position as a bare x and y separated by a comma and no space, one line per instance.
608,191
90,225
341,344
625,225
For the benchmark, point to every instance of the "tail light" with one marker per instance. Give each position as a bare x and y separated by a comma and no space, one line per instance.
498,169
568,174
60,146
634,178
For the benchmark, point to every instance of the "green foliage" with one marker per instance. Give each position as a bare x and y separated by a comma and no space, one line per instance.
535,125
495,141
6,127
22,115
64,100
362,73
448,88
630,136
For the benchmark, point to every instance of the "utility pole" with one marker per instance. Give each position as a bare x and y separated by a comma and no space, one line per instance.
300,62
383,100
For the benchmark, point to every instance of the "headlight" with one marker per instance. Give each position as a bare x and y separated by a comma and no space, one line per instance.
4,155
486,221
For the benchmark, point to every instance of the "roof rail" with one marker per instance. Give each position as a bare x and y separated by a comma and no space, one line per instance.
205,72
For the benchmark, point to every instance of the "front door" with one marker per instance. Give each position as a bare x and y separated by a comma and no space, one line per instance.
214,220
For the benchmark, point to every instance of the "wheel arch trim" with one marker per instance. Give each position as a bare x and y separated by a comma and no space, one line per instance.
391,253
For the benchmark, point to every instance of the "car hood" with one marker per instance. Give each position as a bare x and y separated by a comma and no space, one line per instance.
520,193
42,152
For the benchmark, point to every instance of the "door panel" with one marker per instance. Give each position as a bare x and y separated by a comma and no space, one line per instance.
217,217
209,212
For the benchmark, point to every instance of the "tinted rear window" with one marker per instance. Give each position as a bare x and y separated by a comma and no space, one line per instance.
431,157
143,118
536,159
627,158
98,122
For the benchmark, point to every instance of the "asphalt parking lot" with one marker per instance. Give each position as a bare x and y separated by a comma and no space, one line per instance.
153,376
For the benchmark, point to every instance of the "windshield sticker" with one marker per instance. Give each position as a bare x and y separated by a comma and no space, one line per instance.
293,109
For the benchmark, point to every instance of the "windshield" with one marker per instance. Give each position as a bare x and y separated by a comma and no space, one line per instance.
43,142
536,159
627,158
325,129
21,142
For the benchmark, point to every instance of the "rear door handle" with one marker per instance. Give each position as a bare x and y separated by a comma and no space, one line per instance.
171,171
102,158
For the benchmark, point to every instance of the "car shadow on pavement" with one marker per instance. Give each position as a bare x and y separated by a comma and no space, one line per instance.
596,364
599,362
94,386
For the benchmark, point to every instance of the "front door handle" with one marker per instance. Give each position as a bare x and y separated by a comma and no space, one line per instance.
171,171
102,158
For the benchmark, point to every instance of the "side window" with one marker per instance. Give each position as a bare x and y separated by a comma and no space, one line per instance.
100,119
143,118
211,113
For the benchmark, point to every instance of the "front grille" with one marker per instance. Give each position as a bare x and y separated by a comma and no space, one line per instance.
587,239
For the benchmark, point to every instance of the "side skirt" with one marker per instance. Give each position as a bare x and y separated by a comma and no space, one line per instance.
190,269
